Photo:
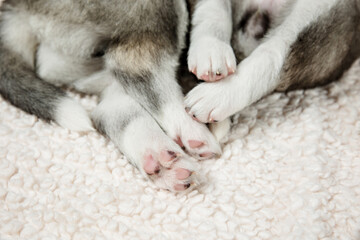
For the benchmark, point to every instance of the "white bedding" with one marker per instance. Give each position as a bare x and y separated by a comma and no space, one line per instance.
290,170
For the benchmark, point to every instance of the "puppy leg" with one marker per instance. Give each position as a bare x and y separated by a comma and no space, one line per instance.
211,57
158,92
186,130
146,68
142,141
259,74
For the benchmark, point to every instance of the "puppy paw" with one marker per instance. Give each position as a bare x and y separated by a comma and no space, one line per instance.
169,169
196,139
211,59
214,102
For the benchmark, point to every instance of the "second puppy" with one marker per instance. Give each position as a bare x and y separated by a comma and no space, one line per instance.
280,44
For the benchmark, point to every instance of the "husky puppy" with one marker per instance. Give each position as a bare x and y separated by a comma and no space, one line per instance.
126,51
279,44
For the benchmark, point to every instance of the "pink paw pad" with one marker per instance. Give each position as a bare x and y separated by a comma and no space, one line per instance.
210,77
182,174
195,144
205,77
151,166
181,187
214,76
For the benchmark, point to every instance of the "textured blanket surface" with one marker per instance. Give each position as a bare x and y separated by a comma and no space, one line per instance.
290,169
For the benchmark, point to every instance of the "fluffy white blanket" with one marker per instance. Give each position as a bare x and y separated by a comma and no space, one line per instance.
290,170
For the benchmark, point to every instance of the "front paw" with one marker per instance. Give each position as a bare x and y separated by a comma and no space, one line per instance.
214,102
211,59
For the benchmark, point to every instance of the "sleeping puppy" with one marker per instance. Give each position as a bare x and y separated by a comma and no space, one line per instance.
279,44
127,52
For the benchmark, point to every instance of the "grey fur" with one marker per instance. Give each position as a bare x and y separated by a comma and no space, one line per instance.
121,123
257,18
143,86
123,27
127,51
20,85
123,21
324,50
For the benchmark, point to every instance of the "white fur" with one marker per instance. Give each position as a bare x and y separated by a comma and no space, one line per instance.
210,50
257,75
183,16
173,117
95,83
16,33
220,129
273,6
83,38
64,57
59,69
142,135
71,115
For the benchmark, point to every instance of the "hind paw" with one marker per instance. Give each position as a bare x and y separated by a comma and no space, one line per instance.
169,169
192,136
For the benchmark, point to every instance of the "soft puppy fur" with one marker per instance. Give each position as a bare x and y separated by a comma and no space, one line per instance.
125,51
278,45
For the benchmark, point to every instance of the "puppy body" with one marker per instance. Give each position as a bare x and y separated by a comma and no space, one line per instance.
306,43
125,51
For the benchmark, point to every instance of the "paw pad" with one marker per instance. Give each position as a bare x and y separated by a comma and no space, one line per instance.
182,174
151,166
195,144
169,169
182,187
